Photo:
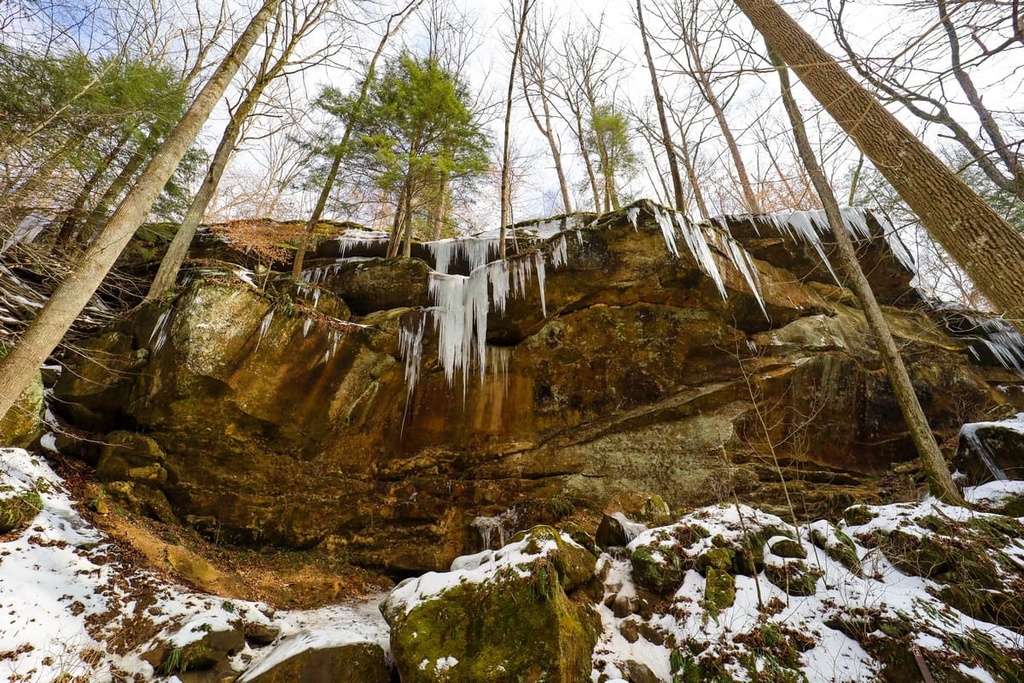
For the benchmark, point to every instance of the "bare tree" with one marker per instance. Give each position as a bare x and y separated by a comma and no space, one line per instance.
391,28
589,71
934,464
988,248
929,70
294,23
666,134
704,53
67,302
519,18
535,70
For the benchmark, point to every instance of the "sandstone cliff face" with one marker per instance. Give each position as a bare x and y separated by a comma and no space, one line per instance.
285,418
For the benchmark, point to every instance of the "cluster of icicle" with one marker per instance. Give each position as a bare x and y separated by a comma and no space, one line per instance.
462,303
1000,338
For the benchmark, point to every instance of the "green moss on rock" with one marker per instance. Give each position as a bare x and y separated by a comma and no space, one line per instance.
719,590
515,628
18,509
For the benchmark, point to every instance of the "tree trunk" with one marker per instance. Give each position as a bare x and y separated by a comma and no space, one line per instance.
68,226
939,478
989,250
587,161
506,154
67,302
666,135
171,263
441,211
407,219
99,212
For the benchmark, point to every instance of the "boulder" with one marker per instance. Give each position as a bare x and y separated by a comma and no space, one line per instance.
348,663
95,392
498,616
991,450
23,423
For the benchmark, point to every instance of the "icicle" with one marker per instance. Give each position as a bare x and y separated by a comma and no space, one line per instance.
1002,341
579,237
498,276
441,250
633,213
739,257
316,297
667,230
410,345
159,332
538,258
306,327
698,246
264,326
969,433
560,254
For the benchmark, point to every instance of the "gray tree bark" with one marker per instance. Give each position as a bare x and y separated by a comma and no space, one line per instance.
989,250
659,101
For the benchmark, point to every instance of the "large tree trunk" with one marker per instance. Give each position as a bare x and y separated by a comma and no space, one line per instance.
69,225
989,250
939,478
67,302
99,212
666,135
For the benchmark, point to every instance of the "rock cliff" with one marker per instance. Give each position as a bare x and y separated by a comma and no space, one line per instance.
380,407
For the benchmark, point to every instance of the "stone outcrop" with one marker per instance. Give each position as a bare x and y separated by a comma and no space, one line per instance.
502,615
284,415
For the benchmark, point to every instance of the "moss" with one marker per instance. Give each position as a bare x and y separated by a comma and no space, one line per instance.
839,547
794,577
17,510
857,515
719,590
787,547
511,629
661,572
718,558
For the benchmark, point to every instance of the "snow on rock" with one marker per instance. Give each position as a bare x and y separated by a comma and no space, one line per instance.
725,616
73,606
514,558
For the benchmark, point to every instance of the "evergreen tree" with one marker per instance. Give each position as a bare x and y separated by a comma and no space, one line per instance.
417,139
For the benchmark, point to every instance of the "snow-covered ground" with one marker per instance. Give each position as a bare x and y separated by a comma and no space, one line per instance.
72,605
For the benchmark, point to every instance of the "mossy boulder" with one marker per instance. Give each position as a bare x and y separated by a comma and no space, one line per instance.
351,663
659,570
837,545
498,616
793,576
719,590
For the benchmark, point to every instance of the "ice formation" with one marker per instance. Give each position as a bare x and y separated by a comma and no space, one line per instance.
1000,338
969,433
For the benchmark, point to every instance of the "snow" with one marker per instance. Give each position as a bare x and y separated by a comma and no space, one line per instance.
831,655
476,569
994,493
328,627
